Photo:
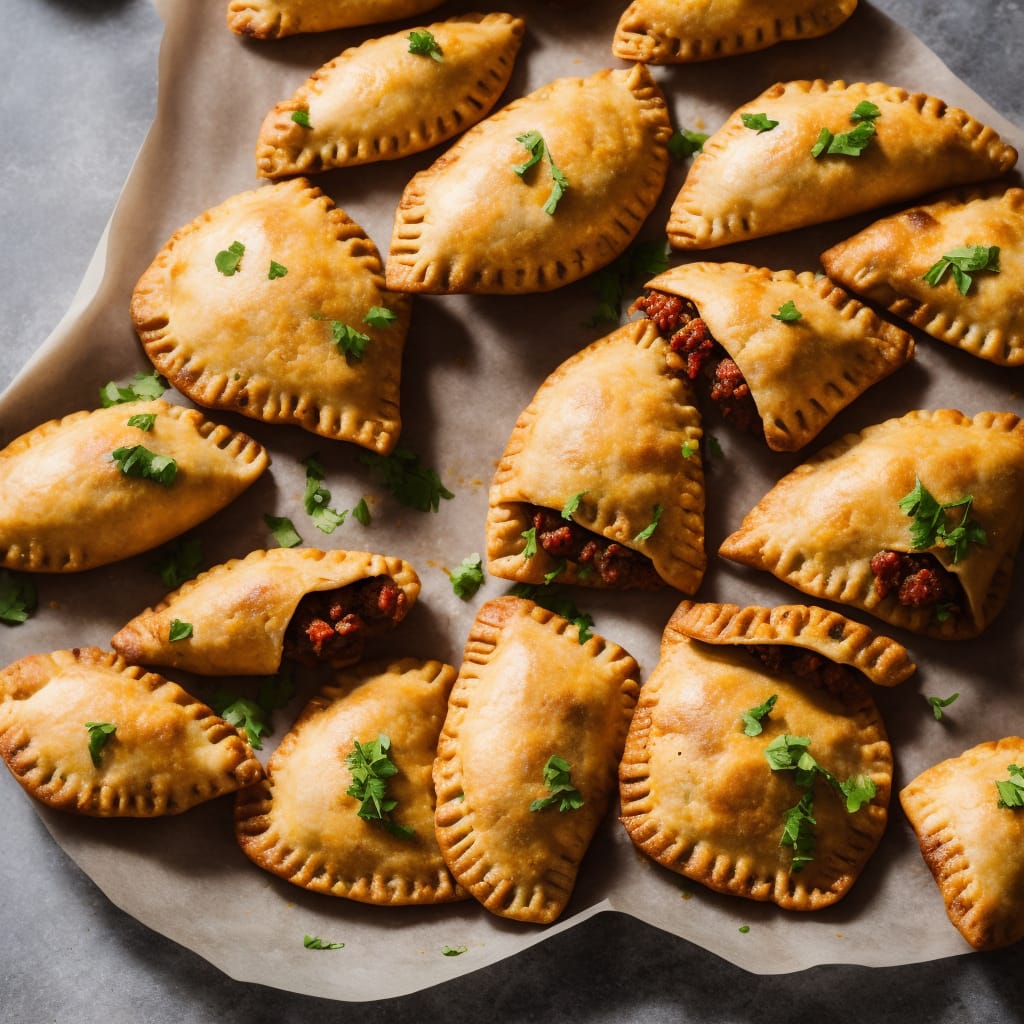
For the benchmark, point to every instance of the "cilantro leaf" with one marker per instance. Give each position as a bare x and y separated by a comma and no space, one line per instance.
99,736
361,513
683,144
538,149
179,631
276,270
145,387
312,942
139,462
409,482
798,831
301,117
243,713
283,530
315,498
562,792
858,791
530,536
851,143
380,316
938,703
961,262
929,527
758,122
467,577
788,313
648,531
454,950
142,421
371,767
641,260
784,752
714,446
688,449
572,504
18,598
227,260
752,719
351,343
1011,791
179,562
865,111
423,44
557,601
550,577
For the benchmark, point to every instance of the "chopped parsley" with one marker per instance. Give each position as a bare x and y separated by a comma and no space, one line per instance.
179,631
562,792
227,260
641,260
961,262
467,577
99,736
316,498
858,790
371,767
142,421
254,716
423,44
743,929
301,117
283,530
555,600
1011,791
410,483
179,562
351,343
454,950
380,316
535,143
798,831
788,313
361,513
18,598
938,703
752,719
851,143
648,531
139,462
930,524
714,446
683,144
145,387
865,111
572,504
276,270
312,942
530,536
550,577
758,122
688,449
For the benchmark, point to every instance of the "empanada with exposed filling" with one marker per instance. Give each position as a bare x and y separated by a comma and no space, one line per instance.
303,824
379,101
797,348
889,261
532,710
302,604
748,182
157,749
66,503
547,190
297,328
973,843
851,525
271,19
680,31
602,481
699,791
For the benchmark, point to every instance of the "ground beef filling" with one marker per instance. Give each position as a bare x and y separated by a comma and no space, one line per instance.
918,580
611,562
806,665
698,355
331,626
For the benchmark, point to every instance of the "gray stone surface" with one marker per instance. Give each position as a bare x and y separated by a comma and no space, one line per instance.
79,94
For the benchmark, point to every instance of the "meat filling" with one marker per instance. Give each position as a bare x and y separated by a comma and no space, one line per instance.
806,665
918,580
331,626
613,564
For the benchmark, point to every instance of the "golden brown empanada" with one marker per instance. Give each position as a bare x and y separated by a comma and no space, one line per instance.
699,794
295,333
530,700
749,182
271,19
973,844
67,505
679,31
166,752
378,101
303,604
471,223
614,434
842,525
302,824
785,374
888,262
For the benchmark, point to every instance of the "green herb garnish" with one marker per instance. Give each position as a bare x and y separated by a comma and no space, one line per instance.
283,530
371,767
179,562
535,143
562,791
572,504
1011,791
641,260
99,736
454,950
423,44
227,260
467,577
18,598
530,536
963,261
179,630
557,601
145,387
851,143
312,942
788,313
409,482
938,703
361,513
139,462
254,716
316,498
798,831
351,343
688,449
276,270
683,144
758,122
930,526
865,111
380,316
142,421
648,531
301,117
752,719
858,791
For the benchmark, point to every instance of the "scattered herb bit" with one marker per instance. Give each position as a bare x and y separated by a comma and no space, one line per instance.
312,942
714,446
929,527
640,261
380,316
351,343
648,531
409,482
467,577
557,601
361,513
18,598
371,767
454,950
142,421
758,122
858,792
788,313
851,143
315,498
683,144
865,111
179,562
145,387
744,928
228,259
530,536
938,703
301,117
179,630
563,792
688,449
423,44
798,831
961,262
276,270
243,713
99,736
570,507
550,577
139,462
1011,791
535,143
283,530
752,719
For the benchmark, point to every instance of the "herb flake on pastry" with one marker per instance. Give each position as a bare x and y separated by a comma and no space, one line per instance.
83,491
269,305
271,19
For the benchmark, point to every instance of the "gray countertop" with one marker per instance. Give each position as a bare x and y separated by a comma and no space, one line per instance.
80,94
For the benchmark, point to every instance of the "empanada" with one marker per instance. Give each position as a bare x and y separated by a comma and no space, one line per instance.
302,604
271,19
302,824
379,101
973,844
67,505
296,328
158,750
679,31
699,793
797,348
981,313
526,759
748,182
859,523
608,446
548,189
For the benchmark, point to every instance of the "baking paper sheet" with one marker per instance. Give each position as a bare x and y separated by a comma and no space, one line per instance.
472,364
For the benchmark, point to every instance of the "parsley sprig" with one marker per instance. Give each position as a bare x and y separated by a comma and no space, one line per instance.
316,497
648,531
758,122
752,719
938,703
143,388
18,598
409,481
557,601
100,734
139,462
1011,791
683,143
423,44
312,942
229,259
372,768
961,262
254,715
534,142
930,526
179,562
557,778
852,142
641,260
467,577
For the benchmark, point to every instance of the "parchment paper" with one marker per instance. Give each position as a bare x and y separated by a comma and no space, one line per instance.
471,365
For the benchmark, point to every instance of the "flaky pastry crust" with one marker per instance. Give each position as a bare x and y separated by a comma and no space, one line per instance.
271,19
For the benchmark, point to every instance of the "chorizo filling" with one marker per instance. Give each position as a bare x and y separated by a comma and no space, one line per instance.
918,580
807,666
331,626
696,353
613,564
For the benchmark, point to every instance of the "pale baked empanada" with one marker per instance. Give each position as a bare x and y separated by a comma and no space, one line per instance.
271,19
471,222
797,348
529,694
298,328
973,845
748,182
378,101
889,261
679,31
614,435
302,824
246,615
842,525
699,794
66,504
158,750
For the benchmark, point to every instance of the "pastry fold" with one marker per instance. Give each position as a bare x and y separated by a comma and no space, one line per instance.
271,19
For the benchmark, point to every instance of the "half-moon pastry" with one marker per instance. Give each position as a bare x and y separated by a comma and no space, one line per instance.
379,101
816,151
93,488
916,520
271,19
933,265
713,780
273,305
526,759
83,731
797,348
309,822
680,31
973,841
302,604
601,481
548,189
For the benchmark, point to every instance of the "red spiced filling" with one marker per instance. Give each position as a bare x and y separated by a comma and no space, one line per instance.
918,580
